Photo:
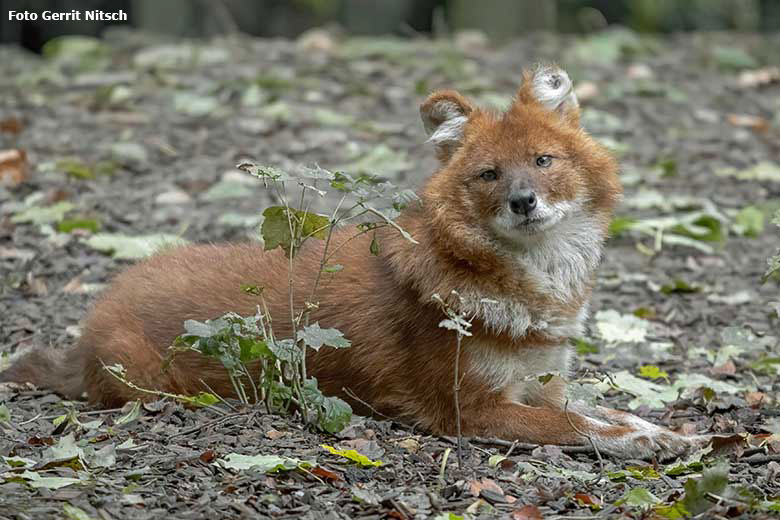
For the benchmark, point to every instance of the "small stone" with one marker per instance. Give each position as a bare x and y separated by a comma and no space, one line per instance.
172,197
586,90
639,71
471,41
316,40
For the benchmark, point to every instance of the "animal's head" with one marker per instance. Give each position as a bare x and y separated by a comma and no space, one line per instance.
509,179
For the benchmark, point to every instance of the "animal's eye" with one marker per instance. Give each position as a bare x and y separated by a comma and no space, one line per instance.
489,175
543,161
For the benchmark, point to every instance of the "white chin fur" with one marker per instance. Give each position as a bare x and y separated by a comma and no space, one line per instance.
516,228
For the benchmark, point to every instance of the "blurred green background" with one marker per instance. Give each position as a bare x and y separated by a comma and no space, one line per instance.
498,19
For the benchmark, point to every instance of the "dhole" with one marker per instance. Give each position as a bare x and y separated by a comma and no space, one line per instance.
517,215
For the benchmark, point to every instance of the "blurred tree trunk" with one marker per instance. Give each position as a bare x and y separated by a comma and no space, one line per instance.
503,19
374,16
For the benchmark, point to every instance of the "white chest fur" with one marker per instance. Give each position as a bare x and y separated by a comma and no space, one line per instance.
516,372
559,263
562,261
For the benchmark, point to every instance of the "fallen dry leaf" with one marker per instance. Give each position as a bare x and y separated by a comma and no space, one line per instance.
759,77
208,456
10,125
728,369
729,444
688,428
275,434
756,399
489,490
36,286
13,167
527,512
587,500
326,474
410,445
755,123
476,486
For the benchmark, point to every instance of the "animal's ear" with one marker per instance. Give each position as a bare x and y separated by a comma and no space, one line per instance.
444,115
550,86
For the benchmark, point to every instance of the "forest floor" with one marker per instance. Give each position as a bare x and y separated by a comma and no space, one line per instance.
139,137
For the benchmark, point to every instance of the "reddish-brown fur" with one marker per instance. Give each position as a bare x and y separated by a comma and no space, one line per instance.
401,361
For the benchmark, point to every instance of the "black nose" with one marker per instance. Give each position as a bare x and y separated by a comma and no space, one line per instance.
522,202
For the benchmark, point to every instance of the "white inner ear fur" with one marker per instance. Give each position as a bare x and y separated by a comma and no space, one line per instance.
450,130
553,88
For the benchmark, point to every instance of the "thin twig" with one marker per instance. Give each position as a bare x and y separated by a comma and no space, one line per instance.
590,439
208,424
522,446
456,388
761,459
391,223
93,412
235,410
28,421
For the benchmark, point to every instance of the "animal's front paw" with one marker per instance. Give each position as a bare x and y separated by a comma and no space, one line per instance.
626,435
665,444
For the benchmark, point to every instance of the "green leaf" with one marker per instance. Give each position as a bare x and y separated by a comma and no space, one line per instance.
76,168
254,290
615,327
278,222
315,337
584,348
202,399
335,268
374,247
638,497
767,365
194,104
495,460
37,481
131,415
253,350
68,225
105,457
132,247
761,171
713,480
313,225
129,153
264,173
264,463
43,215
227,189
354,456
65,449
19,462
87,53
750,221
5,414
380,159
679,286
335,415
74,513
732,58
286,350
705,228
652,372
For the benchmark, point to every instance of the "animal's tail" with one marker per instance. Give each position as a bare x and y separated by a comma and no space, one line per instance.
61,370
